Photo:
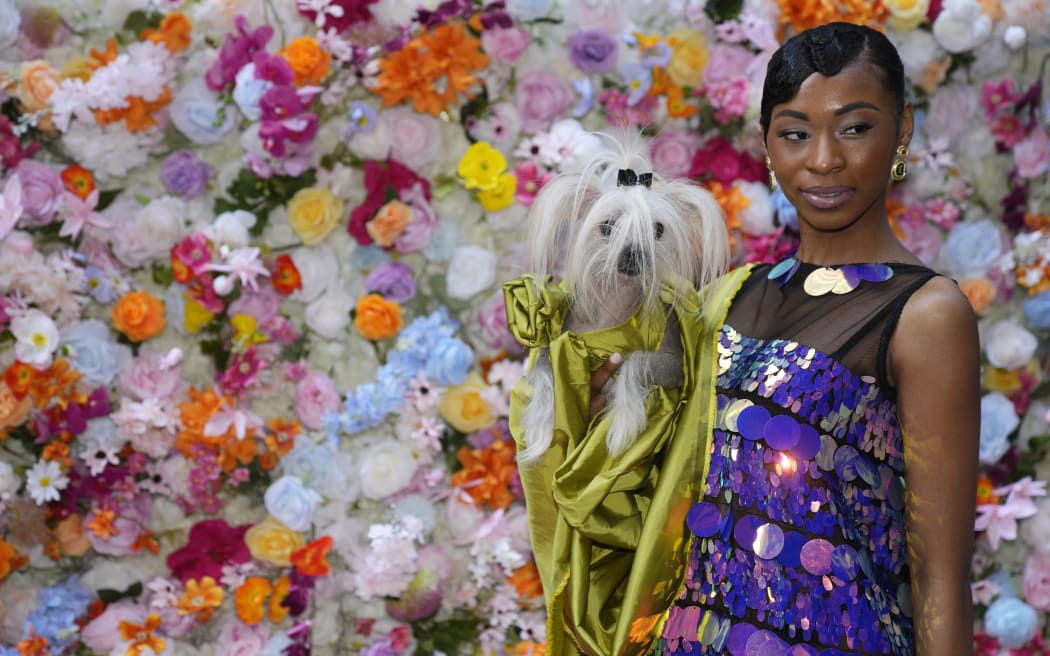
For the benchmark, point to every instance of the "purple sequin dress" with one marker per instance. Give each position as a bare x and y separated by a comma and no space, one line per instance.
799,542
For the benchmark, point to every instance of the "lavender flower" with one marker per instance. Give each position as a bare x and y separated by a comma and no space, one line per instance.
393,280
184,175
592,51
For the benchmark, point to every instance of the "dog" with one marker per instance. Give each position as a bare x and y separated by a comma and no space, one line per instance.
614,233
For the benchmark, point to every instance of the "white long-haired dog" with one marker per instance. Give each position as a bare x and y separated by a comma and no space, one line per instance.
613,232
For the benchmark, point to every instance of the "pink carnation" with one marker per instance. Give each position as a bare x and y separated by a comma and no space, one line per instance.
1037,580
315,395
152,375
1032,155
541,98
101,634
505,44
238,639
671,152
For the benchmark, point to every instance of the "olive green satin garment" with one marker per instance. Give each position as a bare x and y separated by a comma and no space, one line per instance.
608,535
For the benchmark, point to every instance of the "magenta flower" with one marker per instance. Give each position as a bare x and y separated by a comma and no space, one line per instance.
237,51
212,543
996,96
530,180
338,15
273,69
194,251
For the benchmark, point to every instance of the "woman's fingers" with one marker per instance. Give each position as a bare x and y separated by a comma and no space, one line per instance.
599,378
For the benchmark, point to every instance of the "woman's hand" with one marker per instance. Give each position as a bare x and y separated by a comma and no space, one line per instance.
601,376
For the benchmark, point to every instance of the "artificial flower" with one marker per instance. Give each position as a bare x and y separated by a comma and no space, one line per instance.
138,315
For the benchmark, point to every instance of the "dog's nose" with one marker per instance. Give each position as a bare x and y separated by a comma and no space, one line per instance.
631,261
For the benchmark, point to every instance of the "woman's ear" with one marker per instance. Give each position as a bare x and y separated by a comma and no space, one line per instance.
907,125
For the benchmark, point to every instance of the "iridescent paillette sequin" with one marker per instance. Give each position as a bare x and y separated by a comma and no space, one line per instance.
799,543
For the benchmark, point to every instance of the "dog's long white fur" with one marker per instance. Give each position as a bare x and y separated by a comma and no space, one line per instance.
579,226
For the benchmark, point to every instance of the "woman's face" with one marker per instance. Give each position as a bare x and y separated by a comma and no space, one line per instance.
832,145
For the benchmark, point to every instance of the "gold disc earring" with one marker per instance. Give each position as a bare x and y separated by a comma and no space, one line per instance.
772,175
900,166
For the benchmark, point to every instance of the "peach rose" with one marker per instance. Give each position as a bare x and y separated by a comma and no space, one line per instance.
139,315
464,408
980,292
308,61
37,81
71,535
389,222
272,542
377,318
13,410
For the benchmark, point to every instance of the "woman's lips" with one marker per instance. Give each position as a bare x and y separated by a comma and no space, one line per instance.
827,198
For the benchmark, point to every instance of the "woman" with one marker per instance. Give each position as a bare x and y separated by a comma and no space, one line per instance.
837,514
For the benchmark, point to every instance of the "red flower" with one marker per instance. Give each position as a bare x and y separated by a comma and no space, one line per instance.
285,278
310,560
384,182
78,180
212,543
718,160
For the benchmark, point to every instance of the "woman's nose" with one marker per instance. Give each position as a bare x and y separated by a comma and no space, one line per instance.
825,156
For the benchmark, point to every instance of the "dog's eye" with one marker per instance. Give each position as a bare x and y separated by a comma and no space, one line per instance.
606,228
659,227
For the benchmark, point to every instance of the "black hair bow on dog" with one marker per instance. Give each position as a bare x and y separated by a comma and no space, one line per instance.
628,178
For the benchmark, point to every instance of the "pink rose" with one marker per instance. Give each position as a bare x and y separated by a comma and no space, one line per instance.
425,221
239,639
415,139
505,44
315,395
1036,580
42,192
152,375
952,108
611,17
492,317
132,520
264,304
924,240
541,97
1033,154
101,634
726,63
671,152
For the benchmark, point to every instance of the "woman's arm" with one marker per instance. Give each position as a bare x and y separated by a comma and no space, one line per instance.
935,363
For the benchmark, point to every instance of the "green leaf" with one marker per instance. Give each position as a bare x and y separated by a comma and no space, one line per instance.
109,595
162,275
140,20
105,198
724,10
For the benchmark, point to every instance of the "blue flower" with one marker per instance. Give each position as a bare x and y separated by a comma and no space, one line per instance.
585,87
58,608
449,362
99,283
786,213
362,118
972,248
1010,620
639,80
94,353
1037,310
248,91
998,420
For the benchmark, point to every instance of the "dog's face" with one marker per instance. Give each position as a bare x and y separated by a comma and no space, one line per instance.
633,257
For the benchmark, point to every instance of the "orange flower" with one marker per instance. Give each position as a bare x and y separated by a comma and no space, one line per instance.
282,435
141,636
139,315
487,474
101,524
71,537
58,383
804,15
108,55
10,559
526,581
733,202
58,451
37,80
377,318
985,491
980,292
286,278
310,560
308,61
389,222
173,34
78,180
250,599
34,645
14,409
676,104
195,415
145,540
19,378
233,451
432,70
201,598
139,114
276,611
530,648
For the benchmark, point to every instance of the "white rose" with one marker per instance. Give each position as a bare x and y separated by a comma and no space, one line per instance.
385,469
291,502
195,111
917,49
471,270
154,230
757,218
231,228
329,314
10,20
961,25
1015,37
9,481
1008,345
1035,530
318,268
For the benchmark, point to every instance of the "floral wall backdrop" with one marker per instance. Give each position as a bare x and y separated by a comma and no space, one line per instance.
254,353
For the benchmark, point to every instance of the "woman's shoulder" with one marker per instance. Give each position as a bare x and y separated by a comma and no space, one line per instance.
937,318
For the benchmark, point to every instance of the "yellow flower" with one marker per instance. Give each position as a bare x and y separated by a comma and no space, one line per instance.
201,598
905,15
688,57
481,167
195,316
501,196
247,330
464,408
313,213
272,542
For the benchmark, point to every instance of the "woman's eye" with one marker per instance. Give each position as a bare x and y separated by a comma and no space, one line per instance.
860,128
793,135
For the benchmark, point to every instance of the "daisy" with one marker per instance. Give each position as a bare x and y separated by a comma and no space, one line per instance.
45,480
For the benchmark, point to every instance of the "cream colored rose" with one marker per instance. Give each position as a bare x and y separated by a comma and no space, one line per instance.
464,407
37,81
906,15
313,213
688,57
272,542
